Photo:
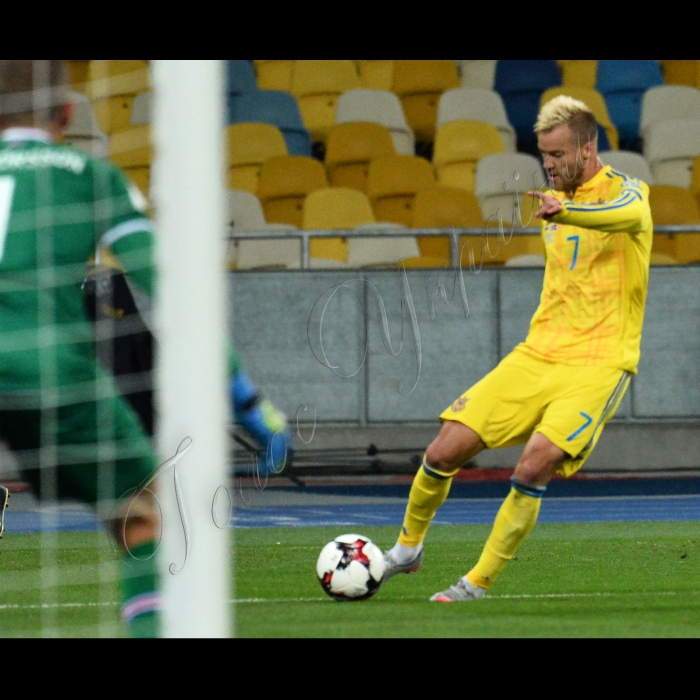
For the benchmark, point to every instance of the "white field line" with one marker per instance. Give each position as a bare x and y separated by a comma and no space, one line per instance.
272,601
543,596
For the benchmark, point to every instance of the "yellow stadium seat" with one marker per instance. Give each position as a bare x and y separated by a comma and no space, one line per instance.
444,207
350,149
113,114
112,87
317,86
78,74
695,179
393,183
285,183
663,259
579,73
675,206
132,148
458,148
595,102
249,145
132,151
420,84
274,75
334,209
681,72
376,75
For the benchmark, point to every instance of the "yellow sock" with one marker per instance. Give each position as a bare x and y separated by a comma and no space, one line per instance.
515,520
429,491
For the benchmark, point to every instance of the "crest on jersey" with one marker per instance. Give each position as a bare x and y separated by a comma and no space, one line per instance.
459,405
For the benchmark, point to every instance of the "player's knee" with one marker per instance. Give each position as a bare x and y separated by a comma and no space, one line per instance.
454,447
539,463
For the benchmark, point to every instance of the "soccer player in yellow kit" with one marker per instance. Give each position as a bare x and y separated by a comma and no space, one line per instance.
556,391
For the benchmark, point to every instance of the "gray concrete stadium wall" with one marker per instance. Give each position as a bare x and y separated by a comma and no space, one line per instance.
383,353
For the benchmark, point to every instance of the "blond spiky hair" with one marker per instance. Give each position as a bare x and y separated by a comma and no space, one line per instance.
566,110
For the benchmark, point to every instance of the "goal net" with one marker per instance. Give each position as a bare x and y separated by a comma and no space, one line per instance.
114,413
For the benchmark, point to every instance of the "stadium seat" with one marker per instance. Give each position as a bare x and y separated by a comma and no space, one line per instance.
670,147
273,107
376,75
477,104
245,215
623,84
335,209
675,206
521,83
141,110
579,73
526,261
596,103
83,132
477,74
444,208
629,163
695,179
112,78
350,149
500,176
381,250
240,78
248,147
458,148
78,74
662,259
502,182
317,86
284,184
132,151
393,183
681,73
668,102
112,88
274,75
379,107
420,84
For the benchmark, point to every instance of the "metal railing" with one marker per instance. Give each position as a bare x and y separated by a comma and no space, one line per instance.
457,251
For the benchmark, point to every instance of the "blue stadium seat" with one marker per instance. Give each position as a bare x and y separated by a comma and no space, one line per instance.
623,84
241,77
272,107
521,84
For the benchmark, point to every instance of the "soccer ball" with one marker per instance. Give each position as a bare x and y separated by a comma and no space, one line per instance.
350,568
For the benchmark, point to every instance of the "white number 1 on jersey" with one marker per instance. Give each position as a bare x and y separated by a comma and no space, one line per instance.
7,191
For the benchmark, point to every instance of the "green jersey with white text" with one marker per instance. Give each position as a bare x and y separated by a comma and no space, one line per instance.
57,207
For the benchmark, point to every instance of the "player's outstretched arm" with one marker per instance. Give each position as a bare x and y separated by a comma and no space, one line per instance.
629,213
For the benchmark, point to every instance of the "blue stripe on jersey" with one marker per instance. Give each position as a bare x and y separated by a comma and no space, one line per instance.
627,178
618,204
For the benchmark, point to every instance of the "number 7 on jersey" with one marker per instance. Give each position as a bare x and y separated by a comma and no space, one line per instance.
7,191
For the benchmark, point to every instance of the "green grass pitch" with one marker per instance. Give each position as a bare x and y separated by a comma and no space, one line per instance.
600,580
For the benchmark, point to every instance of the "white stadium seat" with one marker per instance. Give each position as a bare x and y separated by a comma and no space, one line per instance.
629,163
670,148
380,107
477,104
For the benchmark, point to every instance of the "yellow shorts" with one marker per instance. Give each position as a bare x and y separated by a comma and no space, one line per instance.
569,405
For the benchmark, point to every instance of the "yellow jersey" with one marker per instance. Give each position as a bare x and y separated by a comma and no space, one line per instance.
595,285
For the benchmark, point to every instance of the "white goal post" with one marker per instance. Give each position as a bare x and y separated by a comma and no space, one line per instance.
191,320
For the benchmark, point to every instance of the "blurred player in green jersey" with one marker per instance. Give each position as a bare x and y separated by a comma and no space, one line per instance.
73,433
